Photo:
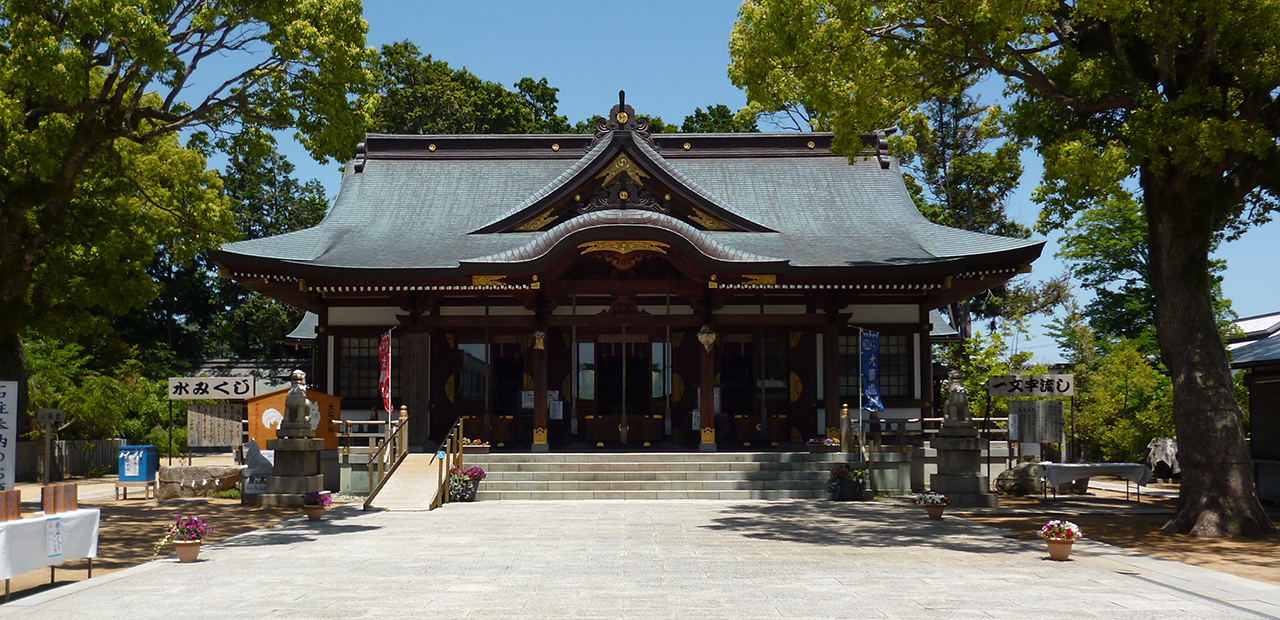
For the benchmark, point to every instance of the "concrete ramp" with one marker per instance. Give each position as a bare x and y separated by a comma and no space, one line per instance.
412,486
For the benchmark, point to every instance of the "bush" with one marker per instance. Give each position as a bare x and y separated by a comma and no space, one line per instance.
159,437
232,493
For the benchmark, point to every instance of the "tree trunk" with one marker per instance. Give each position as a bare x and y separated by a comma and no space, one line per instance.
1218,496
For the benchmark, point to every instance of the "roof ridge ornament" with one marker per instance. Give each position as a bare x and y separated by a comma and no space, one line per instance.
623,118
878,140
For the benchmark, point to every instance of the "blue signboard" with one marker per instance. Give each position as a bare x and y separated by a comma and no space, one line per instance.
871,371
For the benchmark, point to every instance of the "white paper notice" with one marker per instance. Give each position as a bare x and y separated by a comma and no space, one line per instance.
53,537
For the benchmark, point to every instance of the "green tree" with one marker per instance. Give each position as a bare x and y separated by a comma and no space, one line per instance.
420,95
89,90
1122,403
1106,246
717,119
1180,96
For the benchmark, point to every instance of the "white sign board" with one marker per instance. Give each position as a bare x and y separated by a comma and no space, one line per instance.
210,388
8,434
51,416
555,410
1031,385
53,537
526,399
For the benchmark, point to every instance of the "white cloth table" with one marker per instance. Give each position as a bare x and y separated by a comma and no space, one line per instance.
1061,473
30,544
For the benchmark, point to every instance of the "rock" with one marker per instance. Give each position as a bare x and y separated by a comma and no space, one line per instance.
1020,480
197,481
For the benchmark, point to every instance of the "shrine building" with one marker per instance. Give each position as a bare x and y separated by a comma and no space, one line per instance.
568,291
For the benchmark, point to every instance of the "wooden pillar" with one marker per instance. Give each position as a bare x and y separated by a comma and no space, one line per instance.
540,391
708,402
415,381
831,375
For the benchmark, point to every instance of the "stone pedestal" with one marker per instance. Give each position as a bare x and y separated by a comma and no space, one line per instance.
296,473
959,461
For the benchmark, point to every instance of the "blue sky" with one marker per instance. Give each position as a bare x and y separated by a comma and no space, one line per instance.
670,57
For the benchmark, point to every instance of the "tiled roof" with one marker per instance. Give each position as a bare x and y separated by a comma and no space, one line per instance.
418,209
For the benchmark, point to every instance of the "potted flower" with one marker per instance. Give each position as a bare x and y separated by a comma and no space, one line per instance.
474,446
845,483
934,503
824,444
314,503
186,533
1060,535
463,483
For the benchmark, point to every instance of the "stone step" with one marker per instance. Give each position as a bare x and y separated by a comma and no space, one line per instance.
647,495
626,466
652,485
655,475
642,457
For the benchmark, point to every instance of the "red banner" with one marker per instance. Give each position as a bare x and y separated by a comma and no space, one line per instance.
384,368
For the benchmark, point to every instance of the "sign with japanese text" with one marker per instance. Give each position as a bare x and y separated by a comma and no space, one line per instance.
384,370
870,368
210,388
53,537
8,433
266,412
1031,385
51,416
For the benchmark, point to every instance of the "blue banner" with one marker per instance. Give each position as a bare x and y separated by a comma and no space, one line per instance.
871,371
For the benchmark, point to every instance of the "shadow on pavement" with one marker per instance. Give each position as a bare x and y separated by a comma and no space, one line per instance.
336,521
855,524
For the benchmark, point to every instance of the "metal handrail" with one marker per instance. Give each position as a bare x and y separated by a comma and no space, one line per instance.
452,449
398,441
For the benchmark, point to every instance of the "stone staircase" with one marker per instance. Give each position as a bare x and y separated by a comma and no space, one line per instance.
655,475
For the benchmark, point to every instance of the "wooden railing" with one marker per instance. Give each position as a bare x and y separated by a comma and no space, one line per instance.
388,456
451,448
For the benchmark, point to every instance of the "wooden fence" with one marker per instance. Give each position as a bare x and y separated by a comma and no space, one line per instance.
72,458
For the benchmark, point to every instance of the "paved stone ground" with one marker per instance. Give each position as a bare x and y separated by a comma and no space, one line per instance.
632,559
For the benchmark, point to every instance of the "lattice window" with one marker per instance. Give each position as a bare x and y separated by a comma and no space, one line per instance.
358,368
895,367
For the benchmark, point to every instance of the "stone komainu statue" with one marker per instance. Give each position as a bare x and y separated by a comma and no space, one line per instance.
297,409
956,409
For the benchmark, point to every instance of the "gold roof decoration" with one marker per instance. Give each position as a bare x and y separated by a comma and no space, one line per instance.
623,163
624,246
538,222
708,222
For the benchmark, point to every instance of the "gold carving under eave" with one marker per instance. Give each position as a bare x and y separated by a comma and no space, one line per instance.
708,222
538,222
568,339
767,278
677,387
624,246
833,432
676,339
488,280
539,435
620,165
796,387
566,387
528,381
448,388
708,435
795,338
449,339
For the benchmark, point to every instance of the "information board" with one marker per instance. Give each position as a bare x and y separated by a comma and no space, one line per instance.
210,388
8,433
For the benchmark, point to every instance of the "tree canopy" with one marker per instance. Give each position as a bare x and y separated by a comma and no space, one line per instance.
420,95
1180,97
91,97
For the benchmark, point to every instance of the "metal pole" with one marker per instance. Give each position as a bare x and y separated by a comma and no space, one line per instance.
170,434
988,431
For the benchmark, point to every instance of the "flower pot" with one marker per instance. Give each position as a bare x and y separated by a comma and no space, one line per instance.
1060,550
848,491
475,488
314,513
188,550
475,449
935,511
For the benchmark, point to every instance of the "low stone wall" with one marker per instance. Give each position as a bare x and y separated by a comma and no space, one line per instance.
195,481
